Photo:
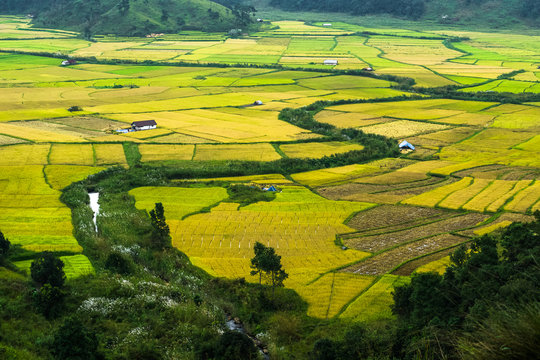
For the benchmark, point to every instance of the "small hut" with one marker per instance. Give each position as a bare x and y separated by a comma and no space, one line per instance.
330,62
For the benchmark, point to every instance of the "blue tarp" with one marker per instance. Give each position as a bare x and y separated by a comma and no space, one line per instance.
271,188
406,145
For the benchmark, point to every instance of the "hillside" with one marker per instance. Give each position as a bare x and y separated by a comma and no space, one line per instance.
131,17
482,13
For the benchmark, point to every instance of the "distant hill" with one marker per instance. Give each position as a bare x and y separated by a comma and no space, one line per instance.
132,17
485,13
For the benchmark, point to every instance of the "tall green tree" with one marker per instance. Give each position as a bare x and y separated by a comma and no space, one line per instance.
161,237
4,245
48,269
256,261
267,262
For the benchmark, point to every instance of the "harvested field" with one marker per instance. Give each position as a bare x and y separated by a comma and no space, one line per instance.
386,261
384,216
346,173
442,138
402,128
384,194
90,123
374,243
8,140
411,173
423,263
502,221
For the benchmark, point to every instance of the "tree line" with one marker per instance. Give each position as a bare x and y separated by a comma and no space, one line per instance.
413,9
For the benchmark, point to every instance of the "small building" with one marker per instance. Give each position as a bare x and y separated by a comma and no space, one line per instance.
367,69
330,62
327,25
405,145
260,20
271,188
69,62
143,125
257,102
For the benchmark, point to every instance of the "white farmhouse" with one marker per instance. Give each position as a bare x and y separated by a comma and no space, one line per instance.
143,125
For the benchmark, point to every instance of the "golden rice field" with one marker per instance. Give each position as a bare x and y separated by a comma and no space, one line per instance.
318,150
474,171
299,224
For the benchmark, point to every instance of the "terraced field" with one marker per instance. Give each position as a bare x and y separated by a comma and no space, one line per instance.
347,234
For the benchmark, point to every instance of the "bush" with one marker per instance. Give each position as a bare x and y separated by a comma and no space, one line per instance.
49,300
74,341
118,263
48,269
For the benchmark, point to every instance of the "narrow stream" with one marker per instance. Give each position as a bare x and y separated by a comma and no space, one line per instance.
235,325
94,205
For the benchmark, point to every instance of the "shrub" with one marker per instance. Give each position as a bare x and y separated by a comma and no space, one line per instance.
48,269
74,341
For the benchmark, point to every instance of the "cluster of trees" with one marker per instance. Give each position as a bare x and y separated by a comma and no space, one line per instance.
404,8
485,304
266,263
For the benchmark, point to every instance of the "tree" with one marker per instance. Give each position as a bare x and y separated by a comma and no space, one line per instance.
268,262
257,259
118,263
124,6
49,300
161,237
74,341
48,269
4,245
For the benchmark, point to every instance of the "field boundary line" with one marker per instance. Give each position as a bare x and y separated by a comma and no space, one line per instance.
362,292
194,152
396,268
511,198
331,295
447,195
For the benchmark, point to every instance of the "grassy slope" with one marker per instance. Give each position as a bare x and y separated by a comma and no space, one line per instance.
141,18
491,14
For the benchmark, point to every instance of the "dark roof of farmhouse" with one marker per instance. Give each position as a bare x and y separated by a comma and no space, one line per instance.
144,123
